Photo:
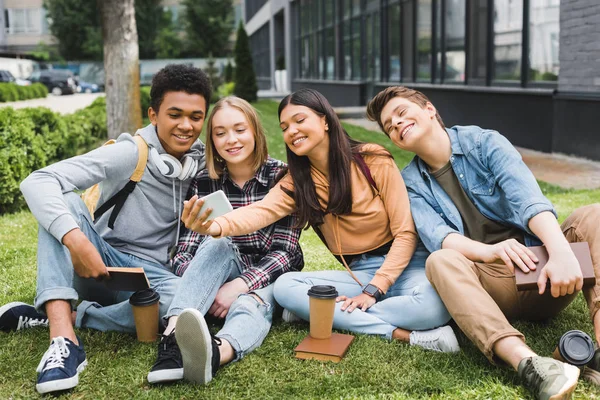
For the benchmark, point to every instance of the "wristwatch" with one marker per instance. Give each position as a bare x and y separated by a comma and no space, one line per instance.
372,291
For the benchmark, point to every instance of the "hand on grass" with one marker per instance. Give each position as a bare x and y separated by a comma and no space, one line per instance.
226,295
87,262
363,301
193,220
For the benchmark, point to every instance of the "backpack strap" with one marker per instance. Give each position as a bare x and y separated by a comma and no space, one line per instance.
118,200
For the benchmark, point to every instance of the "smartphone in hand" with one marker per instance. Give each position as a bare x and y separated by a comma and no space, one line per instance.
218,202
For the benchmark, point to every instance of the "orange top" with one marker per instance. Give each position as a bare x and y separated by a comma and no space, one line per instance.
374,220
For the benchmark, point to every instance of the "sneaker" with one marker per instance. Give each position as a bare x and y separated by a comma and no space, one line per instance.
60,366
168,366
199,349
591,372
16,316
547,378
439,339
289,316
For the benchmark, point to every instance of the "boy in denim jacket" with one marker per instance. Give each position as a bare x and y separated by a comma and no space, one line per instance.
477,207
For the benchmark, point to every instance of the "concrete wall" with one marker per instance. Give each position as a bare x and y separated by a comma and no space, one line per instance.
579,46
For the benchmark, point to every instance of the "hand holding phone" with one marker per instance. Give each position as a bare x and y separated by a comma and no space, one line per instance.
218,202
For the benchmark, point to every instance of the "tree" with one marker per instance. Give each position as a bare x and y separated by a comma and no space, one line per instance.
150,20
228,72
209,24
168,43
76,25
245,78
121,66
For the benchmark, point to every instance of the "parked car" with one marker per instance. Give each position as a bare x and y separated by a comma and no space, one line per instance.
58,81
7,76
86,87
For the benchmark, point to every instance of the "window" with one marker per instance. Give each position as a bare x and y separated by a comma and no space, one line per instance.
23,20
424,40
394,47
543,40
259,43
455,41
508,27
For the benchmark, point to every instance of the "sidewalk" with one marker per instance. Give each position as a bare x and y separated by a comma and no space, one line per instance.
558,169
62,104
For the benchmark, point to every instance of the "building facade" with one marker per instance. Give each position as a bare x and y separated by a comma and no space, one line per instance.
24,26
528,68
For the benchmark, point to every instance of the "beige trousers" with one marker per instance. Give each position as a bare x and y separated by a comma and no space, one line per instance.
483,297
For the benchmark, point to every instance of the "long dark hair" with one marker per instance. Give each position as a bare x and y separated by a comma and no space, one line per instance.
341,150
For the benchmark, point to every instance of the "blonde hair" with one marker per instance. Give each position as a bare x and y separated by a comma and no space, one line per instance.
216,164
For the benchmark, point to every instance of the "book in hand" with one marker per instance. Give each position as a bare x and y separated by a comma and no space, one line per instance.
126,279
332,349
528,281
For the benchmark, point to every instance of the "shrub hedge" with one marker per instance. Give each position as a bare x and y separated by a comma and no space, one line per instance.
31,138
14,92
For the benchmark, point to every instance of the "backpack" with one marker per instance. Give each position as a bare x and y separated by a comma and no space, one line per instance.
91,196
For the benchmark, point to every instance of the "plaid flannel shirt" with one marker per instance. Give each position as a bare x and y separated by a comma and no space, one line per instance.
264,254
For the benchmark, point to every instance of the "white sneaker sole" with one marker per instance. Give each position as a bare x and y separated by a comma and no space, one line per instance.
61,384
591,376
450,341
165,375
194,340
289,317
565,393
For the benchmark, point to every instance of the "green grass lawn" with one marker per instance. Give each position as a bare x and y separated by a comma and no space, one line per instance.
373,367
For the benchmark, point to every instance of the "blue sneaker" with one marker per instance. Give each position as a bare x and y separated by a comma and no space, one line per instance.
60,366
16,316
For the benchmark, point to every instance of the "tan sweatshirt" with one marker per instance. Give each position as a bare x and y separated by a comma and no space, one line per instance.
374,220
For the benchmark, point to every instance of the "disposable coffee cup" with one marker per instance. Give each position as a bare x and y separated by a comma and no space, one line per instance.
574,347
322,306
144,304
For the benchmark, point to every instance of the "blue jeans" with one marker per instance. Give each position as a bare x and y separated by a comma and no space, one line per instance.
216,262
102,309
411,303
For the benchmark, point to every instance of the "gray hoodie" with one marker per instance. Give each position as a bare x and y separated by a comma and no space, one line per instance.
147,224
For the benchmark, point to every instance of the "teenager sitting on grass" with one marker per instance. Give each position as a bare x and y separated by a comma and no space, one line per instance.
227,278
477,206
354,194
74,250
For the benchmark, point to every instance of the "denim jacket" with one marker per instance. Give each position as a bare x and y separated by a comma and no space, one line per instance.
493,176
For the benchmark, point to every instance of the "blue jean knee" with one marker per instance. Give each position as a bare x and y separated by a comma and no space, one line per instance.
248,321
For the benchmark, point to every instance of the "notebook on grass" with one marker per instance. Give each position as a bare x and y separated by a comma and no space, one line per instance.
332,349
126,279
528,281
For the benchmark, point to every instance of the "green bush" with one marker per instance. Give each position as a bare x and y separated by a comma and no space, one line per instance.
14,92
145,100
244,76
21,151
31,138
8,92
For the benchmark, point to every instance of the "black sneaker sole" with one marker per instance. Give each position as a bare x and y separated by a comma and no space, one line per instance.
195,343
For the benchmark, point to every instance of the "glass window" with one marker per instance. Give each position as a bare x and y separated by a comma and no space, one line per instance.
347,49
438,41
23,20
259,43
329,54
508,26
394,47
544,29
478,11
408,42
424,41
455,41
356,50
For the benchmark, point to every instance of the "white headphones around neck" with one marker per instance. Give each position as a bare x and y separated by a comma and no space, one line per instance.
171,167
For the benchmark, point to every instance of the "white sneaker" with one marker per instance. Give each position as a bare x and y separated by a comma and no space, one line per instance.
289,316
439,339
